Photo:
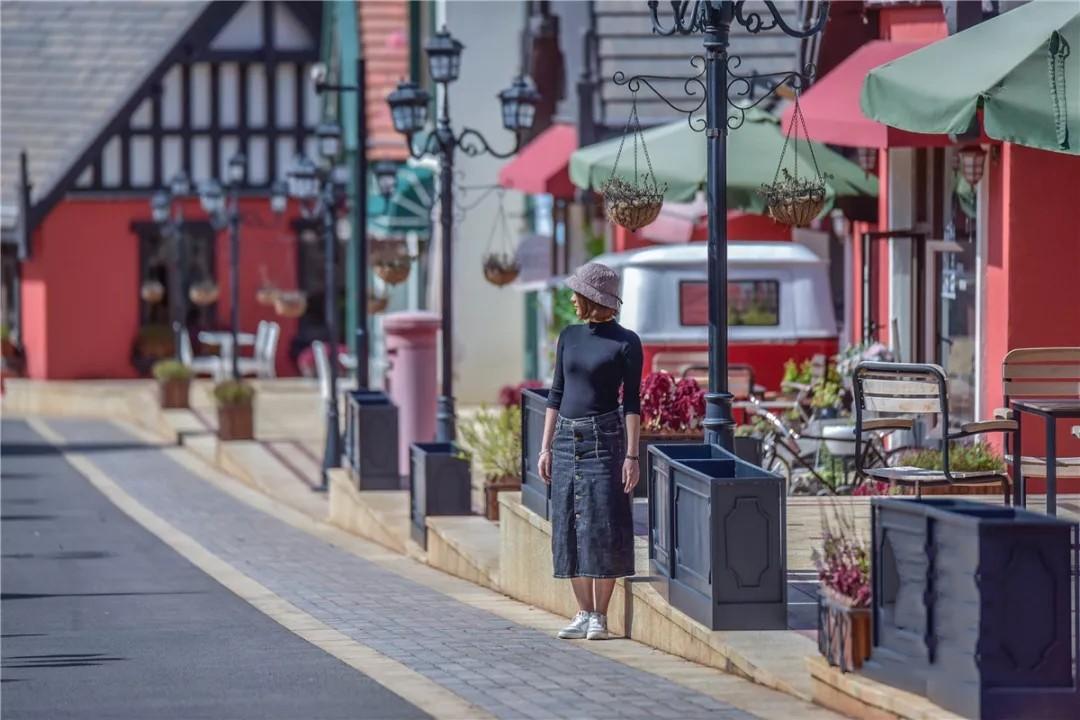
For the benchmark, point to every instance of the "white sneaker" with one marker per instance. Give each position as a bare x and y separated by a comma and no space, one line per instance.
577,627
597,627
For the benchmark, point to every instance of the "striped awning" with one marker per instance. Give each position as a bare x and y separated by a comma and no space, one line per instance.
409,208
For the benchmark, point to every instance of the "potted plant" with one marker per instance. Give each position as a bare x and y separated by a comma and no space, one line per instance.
235,403
493,437
843,565
671,413
174,381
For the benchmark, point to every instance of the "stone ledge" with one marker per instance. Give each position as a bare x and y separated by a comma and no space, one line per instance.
866,699
466,546
378,515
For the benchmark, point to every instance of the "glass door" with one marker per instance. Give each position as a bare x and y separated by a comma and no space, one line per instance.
957,276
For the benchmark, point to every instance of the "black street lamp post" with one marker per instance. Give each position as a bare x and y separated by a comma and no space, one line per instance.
409,112
169,216
714,20
321,191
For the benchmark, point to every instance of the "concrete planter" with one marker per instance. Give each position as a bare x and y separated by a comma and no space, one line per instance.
717,537
371,440
440,483
173,394
972,607
843,631
535,493
236,422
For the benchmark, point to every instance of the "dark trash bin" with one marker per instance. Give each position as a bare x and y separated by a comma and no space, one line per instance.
371,440
440,483
535,493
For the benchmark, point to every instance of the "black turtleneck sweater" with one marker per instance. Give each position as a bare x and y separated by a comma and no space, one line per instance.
592,361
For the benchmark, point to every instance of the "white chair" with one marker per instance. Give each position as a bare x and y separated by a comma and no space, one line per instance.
322,372
203,364
262,362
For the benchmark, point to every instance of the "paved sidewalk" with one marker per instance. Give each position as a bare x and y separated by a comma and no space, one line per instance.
508,670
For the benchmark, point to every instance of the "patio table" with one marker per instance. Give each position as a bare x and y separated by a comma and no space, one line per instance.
1051,411
223,339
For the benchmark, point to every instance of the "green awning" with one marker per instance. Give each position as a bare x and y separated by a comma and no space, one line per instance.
753,151
409,208
1016,68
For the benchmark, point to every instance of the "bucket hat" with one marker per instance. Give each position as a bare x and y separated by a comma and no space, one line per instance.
598,283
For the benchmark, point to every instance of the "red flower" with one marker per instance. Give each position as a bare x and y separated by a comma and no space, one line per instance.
510,395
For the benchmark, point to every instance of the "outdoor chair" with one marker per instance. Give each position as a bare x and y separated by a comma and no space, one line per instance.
322,371
262,363
1044,374
202,364
896,395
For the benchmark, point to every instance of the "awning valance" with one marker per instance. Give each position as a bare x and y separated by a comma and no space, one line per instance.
541,167
1019,69
409,208
831,105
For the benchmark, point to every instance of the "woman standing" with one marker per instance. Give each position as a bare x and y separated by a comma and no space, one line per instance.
584,452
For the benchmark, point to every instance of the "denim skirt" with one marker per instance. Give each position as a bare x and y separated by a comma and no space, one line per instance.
592,527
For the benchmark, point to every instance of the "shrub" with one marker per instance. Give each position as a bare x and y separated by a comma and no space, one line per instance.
510,395
233,392
493,437
166,370
667,404
969,457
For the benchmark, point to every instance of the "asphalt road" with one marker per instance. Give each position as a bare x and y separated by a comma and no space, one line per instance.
100,619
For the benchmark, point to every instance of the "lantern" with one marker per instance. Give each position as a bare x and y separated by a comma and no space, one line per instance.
386,177
519,104
179,185
408,107
237,169
303,179
279,197
972,163
211,198
329,136
159,206
444,57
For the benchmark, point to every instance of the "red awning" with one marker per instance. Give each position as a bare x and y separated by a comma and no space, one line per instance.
542,166
832,110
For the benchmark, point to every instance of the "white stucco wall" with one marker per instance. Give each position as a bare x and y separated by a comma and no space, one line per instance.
488,321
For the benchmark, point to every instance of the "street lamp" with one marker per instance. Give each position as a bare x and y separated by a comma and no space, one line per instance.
167,212
713,19
385,177
409,112
321,192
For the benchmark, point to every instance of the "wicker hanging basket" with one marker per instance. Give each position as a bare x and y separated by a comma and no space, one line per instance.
290,303
203,293
391,260
794,200
633,204
152,292
500,263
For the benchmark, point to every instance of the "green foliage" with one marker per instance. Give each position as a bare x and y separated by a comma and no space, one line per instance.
797,373
826,395
5,332
594,241
165,370
234,392
562,310
962,457
493,437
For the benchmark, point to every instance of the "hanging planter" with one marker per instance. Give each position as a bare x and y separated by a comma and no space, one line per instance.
500,263
290,303
794,200
391,260
152,292
633,205
266,293
203,293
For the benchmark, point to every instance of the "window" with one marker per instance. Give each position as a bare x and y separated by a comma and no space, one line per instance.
750,303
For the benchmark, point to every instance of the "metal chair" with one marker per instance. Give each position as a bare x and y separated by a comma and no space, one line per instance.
202,364
262,363
896,394
1040,373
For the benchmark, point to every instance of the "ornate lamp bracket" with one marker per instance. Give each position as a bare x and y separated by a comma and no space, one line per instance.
693,86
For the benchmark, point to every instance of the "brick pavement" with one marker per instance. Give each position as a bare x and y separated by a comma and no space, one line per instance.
507,669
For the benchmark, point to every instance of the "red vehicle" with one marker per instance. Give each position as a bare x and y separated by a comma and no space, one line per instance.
779,306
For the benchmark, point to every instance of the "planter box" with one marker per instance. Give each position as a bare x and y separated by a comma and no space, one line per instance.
236,422
535,493
843,632
491,495
973,607
717,537
647,440
173,394
371,440
439,484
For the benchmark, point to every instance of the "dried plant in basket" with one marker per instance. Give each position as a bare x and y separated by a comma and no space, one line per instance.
391,260
203,293
633,205
290,303
152,292
501,268
794,200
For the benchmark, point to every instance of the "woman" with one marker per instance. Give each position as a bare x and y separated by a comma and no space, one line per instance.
584,452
